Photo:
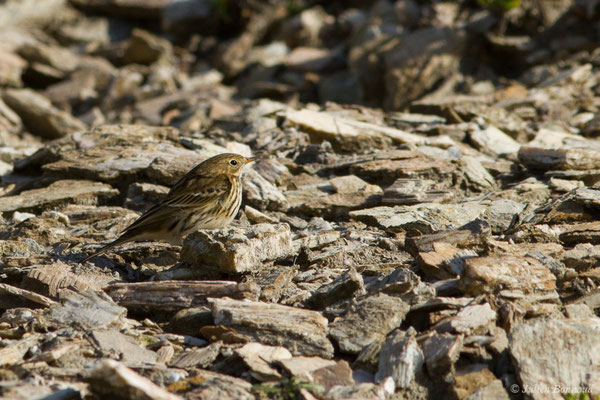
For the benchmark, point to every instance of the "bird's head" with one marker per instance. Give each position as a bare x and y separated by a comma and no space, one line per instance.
227,163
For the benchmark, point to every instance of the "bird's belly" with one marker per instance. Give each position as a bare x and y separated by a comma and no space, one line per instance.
213,223
202,222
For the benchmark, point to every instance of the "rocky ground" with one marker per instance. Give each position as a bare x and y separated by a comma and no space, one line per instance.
422,222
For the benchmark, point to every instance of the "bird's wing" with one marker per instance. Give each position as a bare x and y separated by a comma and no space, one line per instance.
190,192
202,184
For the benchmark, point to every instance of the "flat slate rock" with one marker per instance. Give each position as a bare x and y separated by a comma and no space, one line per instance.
427,218
400,357
40,116
124,348
235,250
57,195
367,321
302,332
176,295
112,378
572,342
492,274
88,310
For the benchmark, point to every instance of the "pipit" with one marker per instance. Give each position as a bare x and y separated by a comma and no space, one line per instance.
207,197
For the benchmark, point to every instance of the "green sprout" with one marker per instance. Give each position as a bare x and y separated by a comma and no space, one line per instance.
500,5
287,389
580,396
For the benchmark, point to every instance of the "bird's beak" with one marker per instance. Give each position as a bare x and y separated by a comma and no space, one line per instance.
251,159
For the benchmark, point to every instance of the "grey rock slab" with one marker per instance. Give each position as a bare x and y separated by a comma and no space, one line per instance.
352,184
112,378
11,297
347,285
441,303
574,346
338,374
238,249
302,366
400,357
564,186
176,295
407,191
261,193
579,311
327,125
424,217
502,212
58,279
202,357
462,237
536,158
367,321
582,257
272,170
302,332
403,283
441,351
86,310
337,205
588,196
115,153
257,217
297,198
492,140
589,177
495,273
555,136
437,104
116,345
476,176
586,232
317,240
444,261
56,58
39,115
473,319
59,194
387,166
259,358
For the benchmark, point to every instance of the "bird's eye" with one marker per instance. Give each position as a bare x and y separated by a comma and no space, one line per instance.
233,162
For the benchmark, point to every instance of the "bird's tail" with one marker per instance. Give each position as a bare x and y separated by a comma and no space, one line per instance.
105,248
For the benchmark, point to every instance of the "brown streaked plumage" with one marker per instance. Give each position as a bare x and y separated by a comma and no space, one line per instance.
207,197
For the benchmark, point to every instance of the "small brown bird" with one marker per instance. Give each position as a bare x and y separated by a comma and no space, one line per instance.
207,197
